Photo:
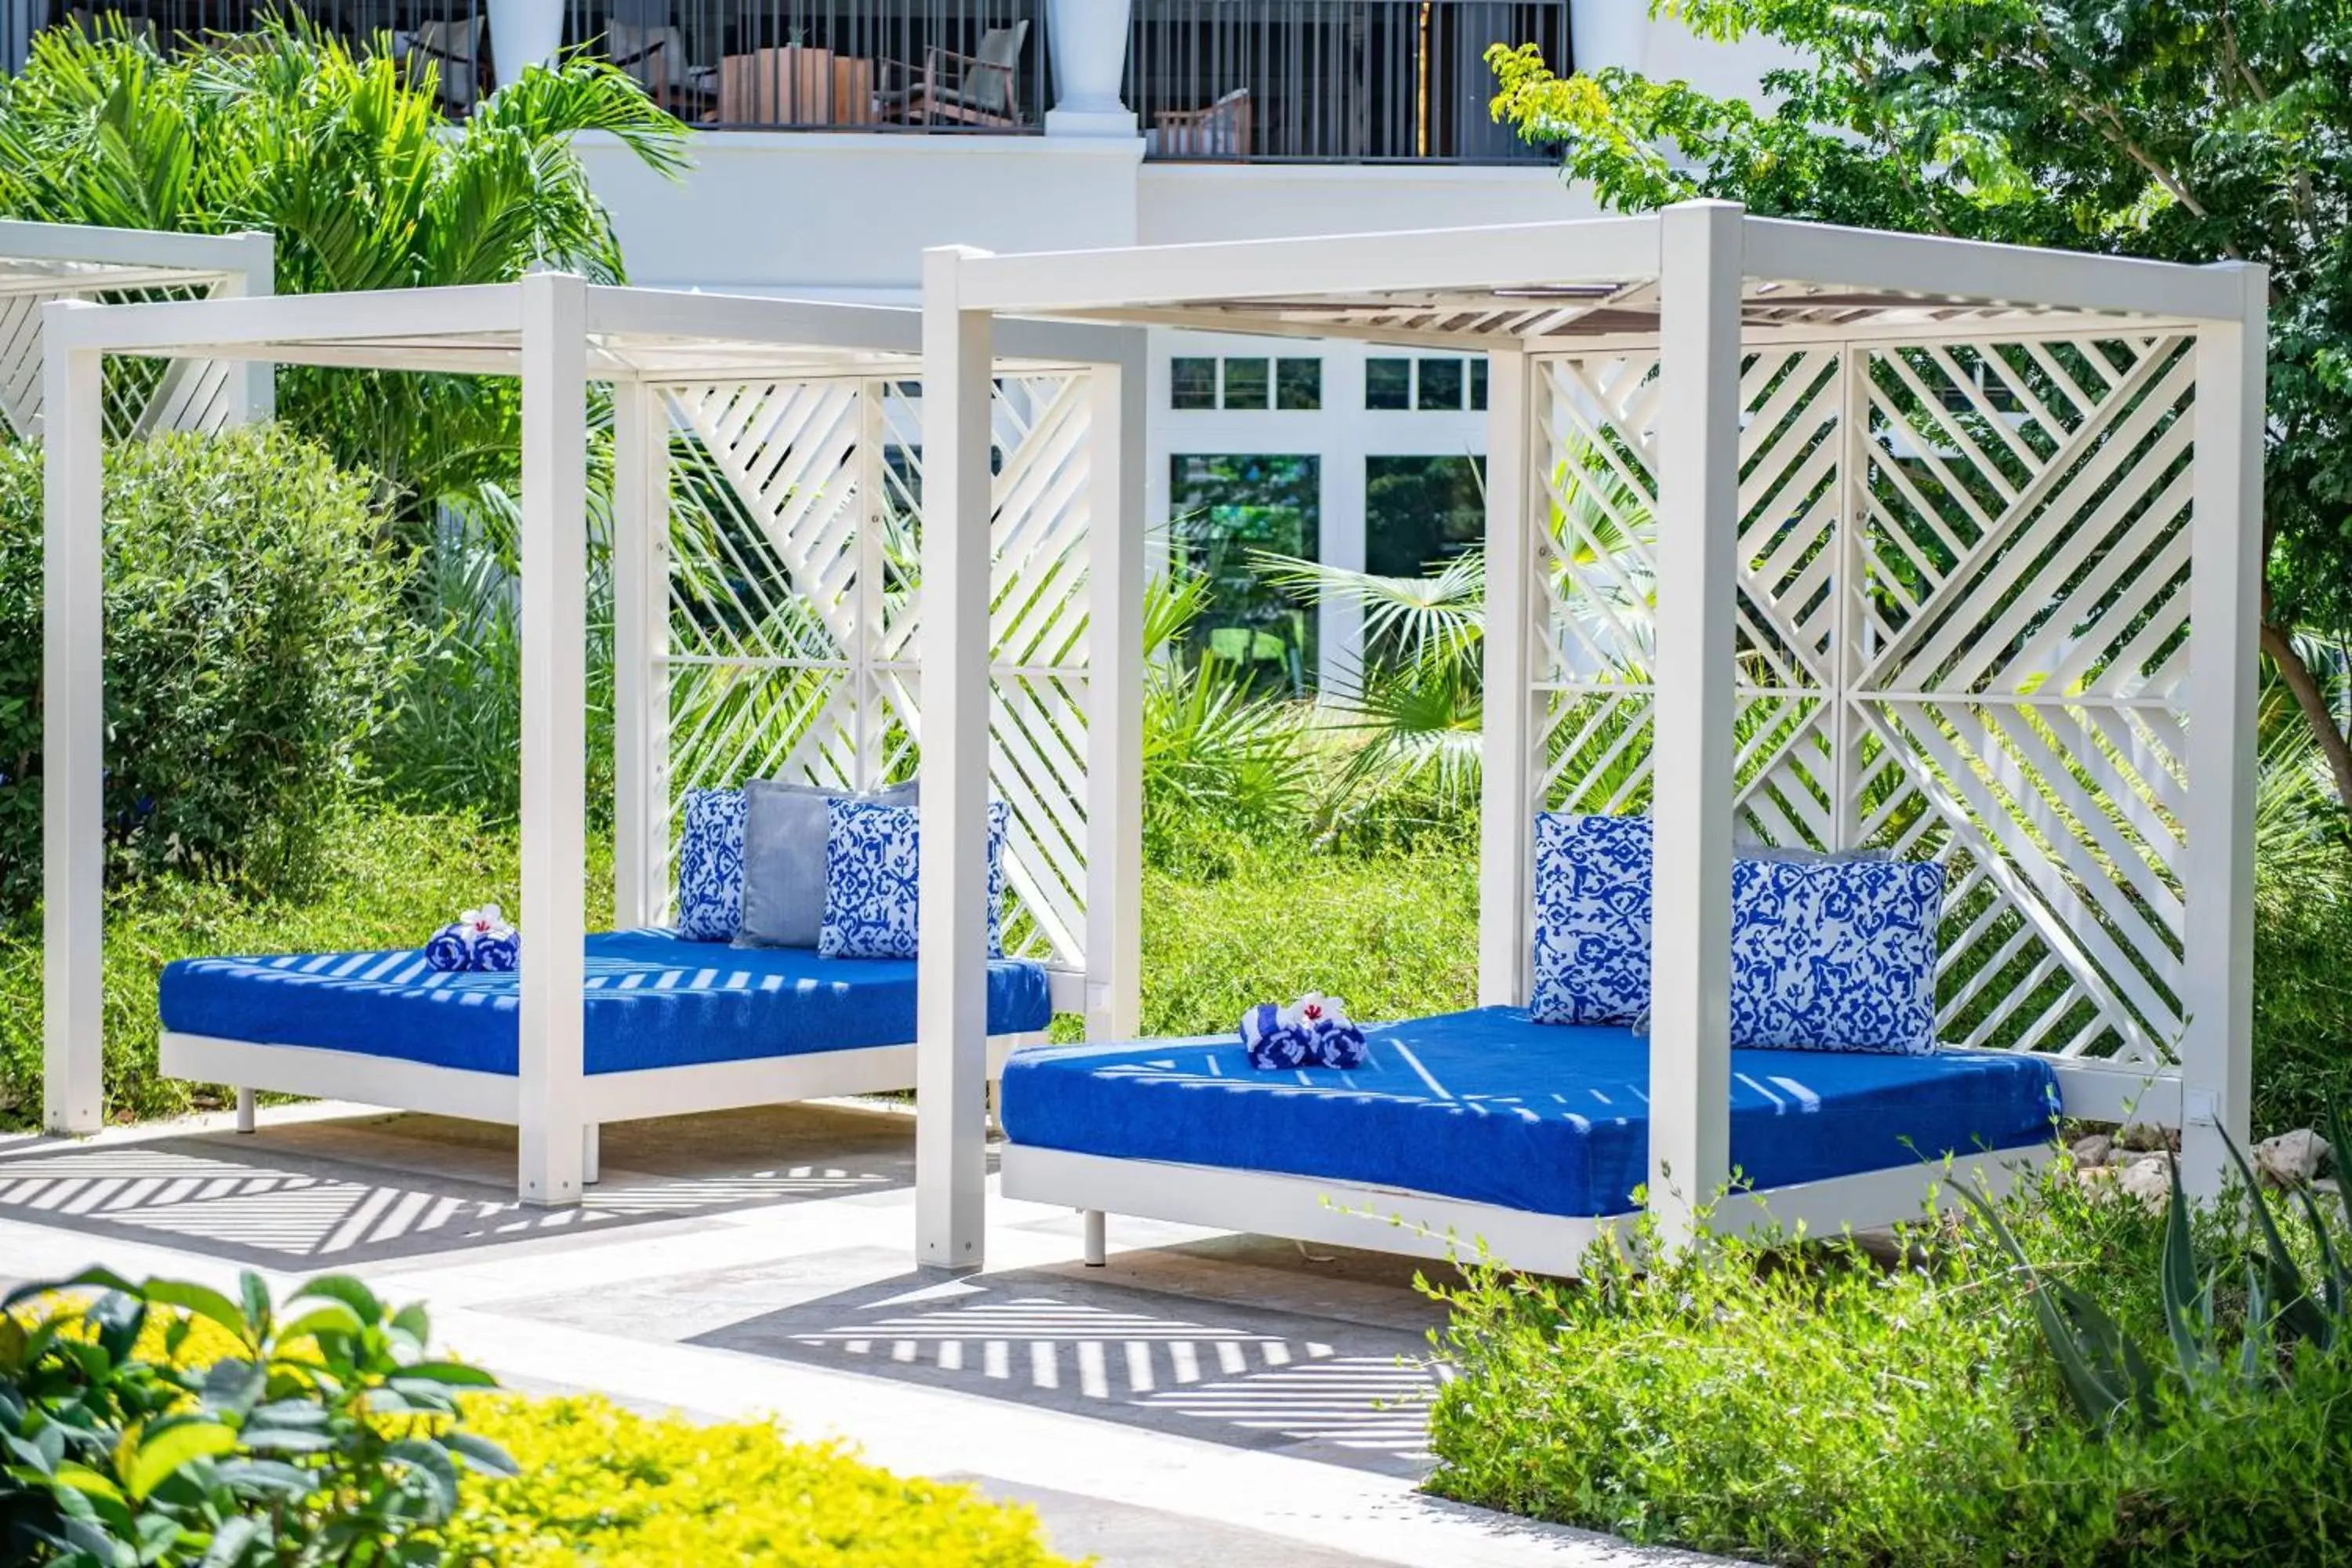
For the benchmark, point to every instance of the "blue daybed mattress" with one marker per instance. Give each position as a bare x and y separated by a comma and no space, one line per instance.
1490,1107
653,1000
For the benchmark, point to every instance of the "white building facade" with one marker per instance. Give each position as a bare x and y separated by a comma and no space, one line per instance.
838,139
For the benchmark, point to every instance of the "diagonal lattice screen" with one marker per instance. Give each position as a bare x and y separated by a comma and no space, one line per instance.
1963,632
143,395
795,608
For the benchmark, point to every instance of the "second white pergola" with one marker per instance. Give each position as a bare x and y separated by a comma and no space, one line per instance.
1821,537
795,414
43,263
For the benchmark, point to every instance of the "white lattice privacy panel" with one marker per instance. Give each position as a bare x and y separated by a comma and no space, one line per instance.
796,603
1963,632
143,395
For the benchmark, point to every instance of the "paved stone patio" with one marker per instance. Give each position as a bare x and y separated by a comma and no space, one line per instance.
1207,1399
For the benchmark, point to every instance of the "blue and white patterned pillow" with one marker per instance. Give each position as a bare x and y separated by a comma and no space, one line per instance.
1835,955
1592,919
710,866
873,861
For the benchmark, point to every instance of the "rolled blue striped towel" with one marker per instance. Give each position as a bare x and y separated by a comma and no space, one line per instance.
477,940
1274,1044
1312,1032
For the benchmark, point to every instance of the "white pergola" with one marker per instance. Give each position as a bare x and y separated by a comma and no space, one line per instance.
799,425
1820,537
41,263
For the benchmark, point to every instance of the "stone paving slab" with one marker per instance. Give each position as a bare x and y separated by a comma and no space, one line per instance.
1207,1398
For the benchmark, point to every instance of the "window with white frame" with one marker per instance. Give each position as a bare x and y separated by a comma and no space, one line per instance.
1198,382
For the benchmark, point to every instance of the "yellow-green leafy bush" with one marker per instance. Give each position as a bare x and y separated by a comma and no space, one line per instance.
603,1486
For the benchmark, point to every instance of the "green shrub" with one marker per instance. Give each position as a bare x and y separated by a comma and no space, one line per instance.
252,631
1820,1407
382,880
1242,922
166,1424
605,1487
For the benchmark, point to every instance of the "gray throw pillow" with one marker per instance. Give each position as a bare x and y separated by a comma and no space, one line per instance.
785,829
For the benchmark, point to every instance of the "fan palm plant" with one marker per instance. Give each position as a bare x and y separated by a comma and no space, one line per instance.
1419,695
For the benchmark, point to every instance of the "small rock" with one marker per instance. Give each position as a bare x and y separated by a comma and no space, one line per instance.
2147,1138
2291,1159
2149,1180
2092,1151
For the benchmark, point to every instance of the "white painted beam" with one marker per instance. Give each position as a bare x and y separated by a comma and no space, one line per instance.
1698,526
2225,622
1114,745
554,632
640,639
951,1000
73,730
1514,626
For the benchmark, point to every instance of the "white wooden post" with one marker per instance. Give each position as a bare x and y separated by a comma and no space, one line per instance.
73,729
2224,621
1698,486
951,999
1113,750
640,641
1509,767
253,387
1342,540
555,630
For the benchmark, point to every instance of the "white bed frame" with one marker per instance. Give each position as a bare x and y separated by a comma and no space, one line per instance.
1423,1224
634,1096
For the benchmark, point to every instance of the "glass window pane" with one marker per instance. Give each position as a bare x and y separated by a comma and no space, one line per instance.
1193,384
1440,384
1299,383
1478,383
1388,383
1245,383
1222,511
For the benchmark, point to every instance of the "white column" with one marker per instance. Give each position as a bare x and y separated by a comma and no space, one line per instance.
73,728
1341,542
640,642
1087,39
1509,765
253,383
1699,490
2224,621
555,630
951,1001
1115,690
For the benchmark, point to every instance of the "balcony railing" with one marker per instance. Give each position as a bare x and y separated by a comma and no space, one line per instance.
1224,80
1330,80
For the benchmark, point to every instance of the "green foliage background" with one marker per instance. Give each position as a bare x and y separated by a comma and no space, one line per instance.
253,637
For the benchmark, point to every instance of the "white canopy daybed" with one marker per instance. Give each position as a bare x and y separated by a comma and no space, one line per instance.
44,262
768,623
1816,537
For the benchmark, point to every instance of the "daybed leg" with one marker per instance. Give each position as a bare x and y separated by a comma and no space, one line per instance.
245,1110
1097,1253
592,1151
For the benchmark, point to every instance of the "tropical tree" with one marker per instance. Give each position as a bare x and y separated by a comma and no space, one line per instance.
2192,131
345,156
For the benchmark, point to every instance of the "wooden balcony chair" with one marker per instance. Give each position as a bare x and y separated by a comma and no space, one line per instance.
1220,130
656,57
979,88
455,50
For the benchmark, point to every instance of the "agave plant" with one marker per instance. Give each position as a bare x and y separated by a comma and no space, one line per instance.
2110,1380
